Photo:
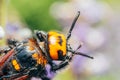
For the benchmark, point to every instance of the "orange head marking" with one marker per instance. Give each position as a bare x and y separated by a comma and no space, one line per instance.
56,45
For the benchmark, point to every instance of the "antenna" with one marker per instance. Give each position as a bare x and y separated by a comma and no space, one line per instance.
72,26
69,35
79,53
78,47
82,54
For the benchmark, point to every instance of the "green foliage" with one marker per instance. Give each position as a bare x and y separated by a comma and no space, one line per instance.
36,13
114,4
104,77
64,75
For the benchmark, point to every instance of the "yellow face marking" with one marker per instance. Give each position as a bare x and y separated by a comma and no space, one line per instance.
53,40
56,42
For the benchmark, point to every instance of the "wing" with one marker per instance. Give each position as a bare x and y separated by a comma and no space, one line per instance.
40,56
35,46
6,57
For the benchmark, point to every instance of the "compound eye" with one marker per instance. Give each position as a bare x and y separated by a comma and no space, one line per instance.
41,36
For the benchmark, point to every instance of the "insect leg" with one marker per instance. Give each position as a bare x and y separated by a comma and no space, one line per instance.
63,64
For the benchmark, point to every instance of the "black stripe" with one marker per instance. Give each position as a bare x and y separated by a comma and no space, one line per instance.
60,40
